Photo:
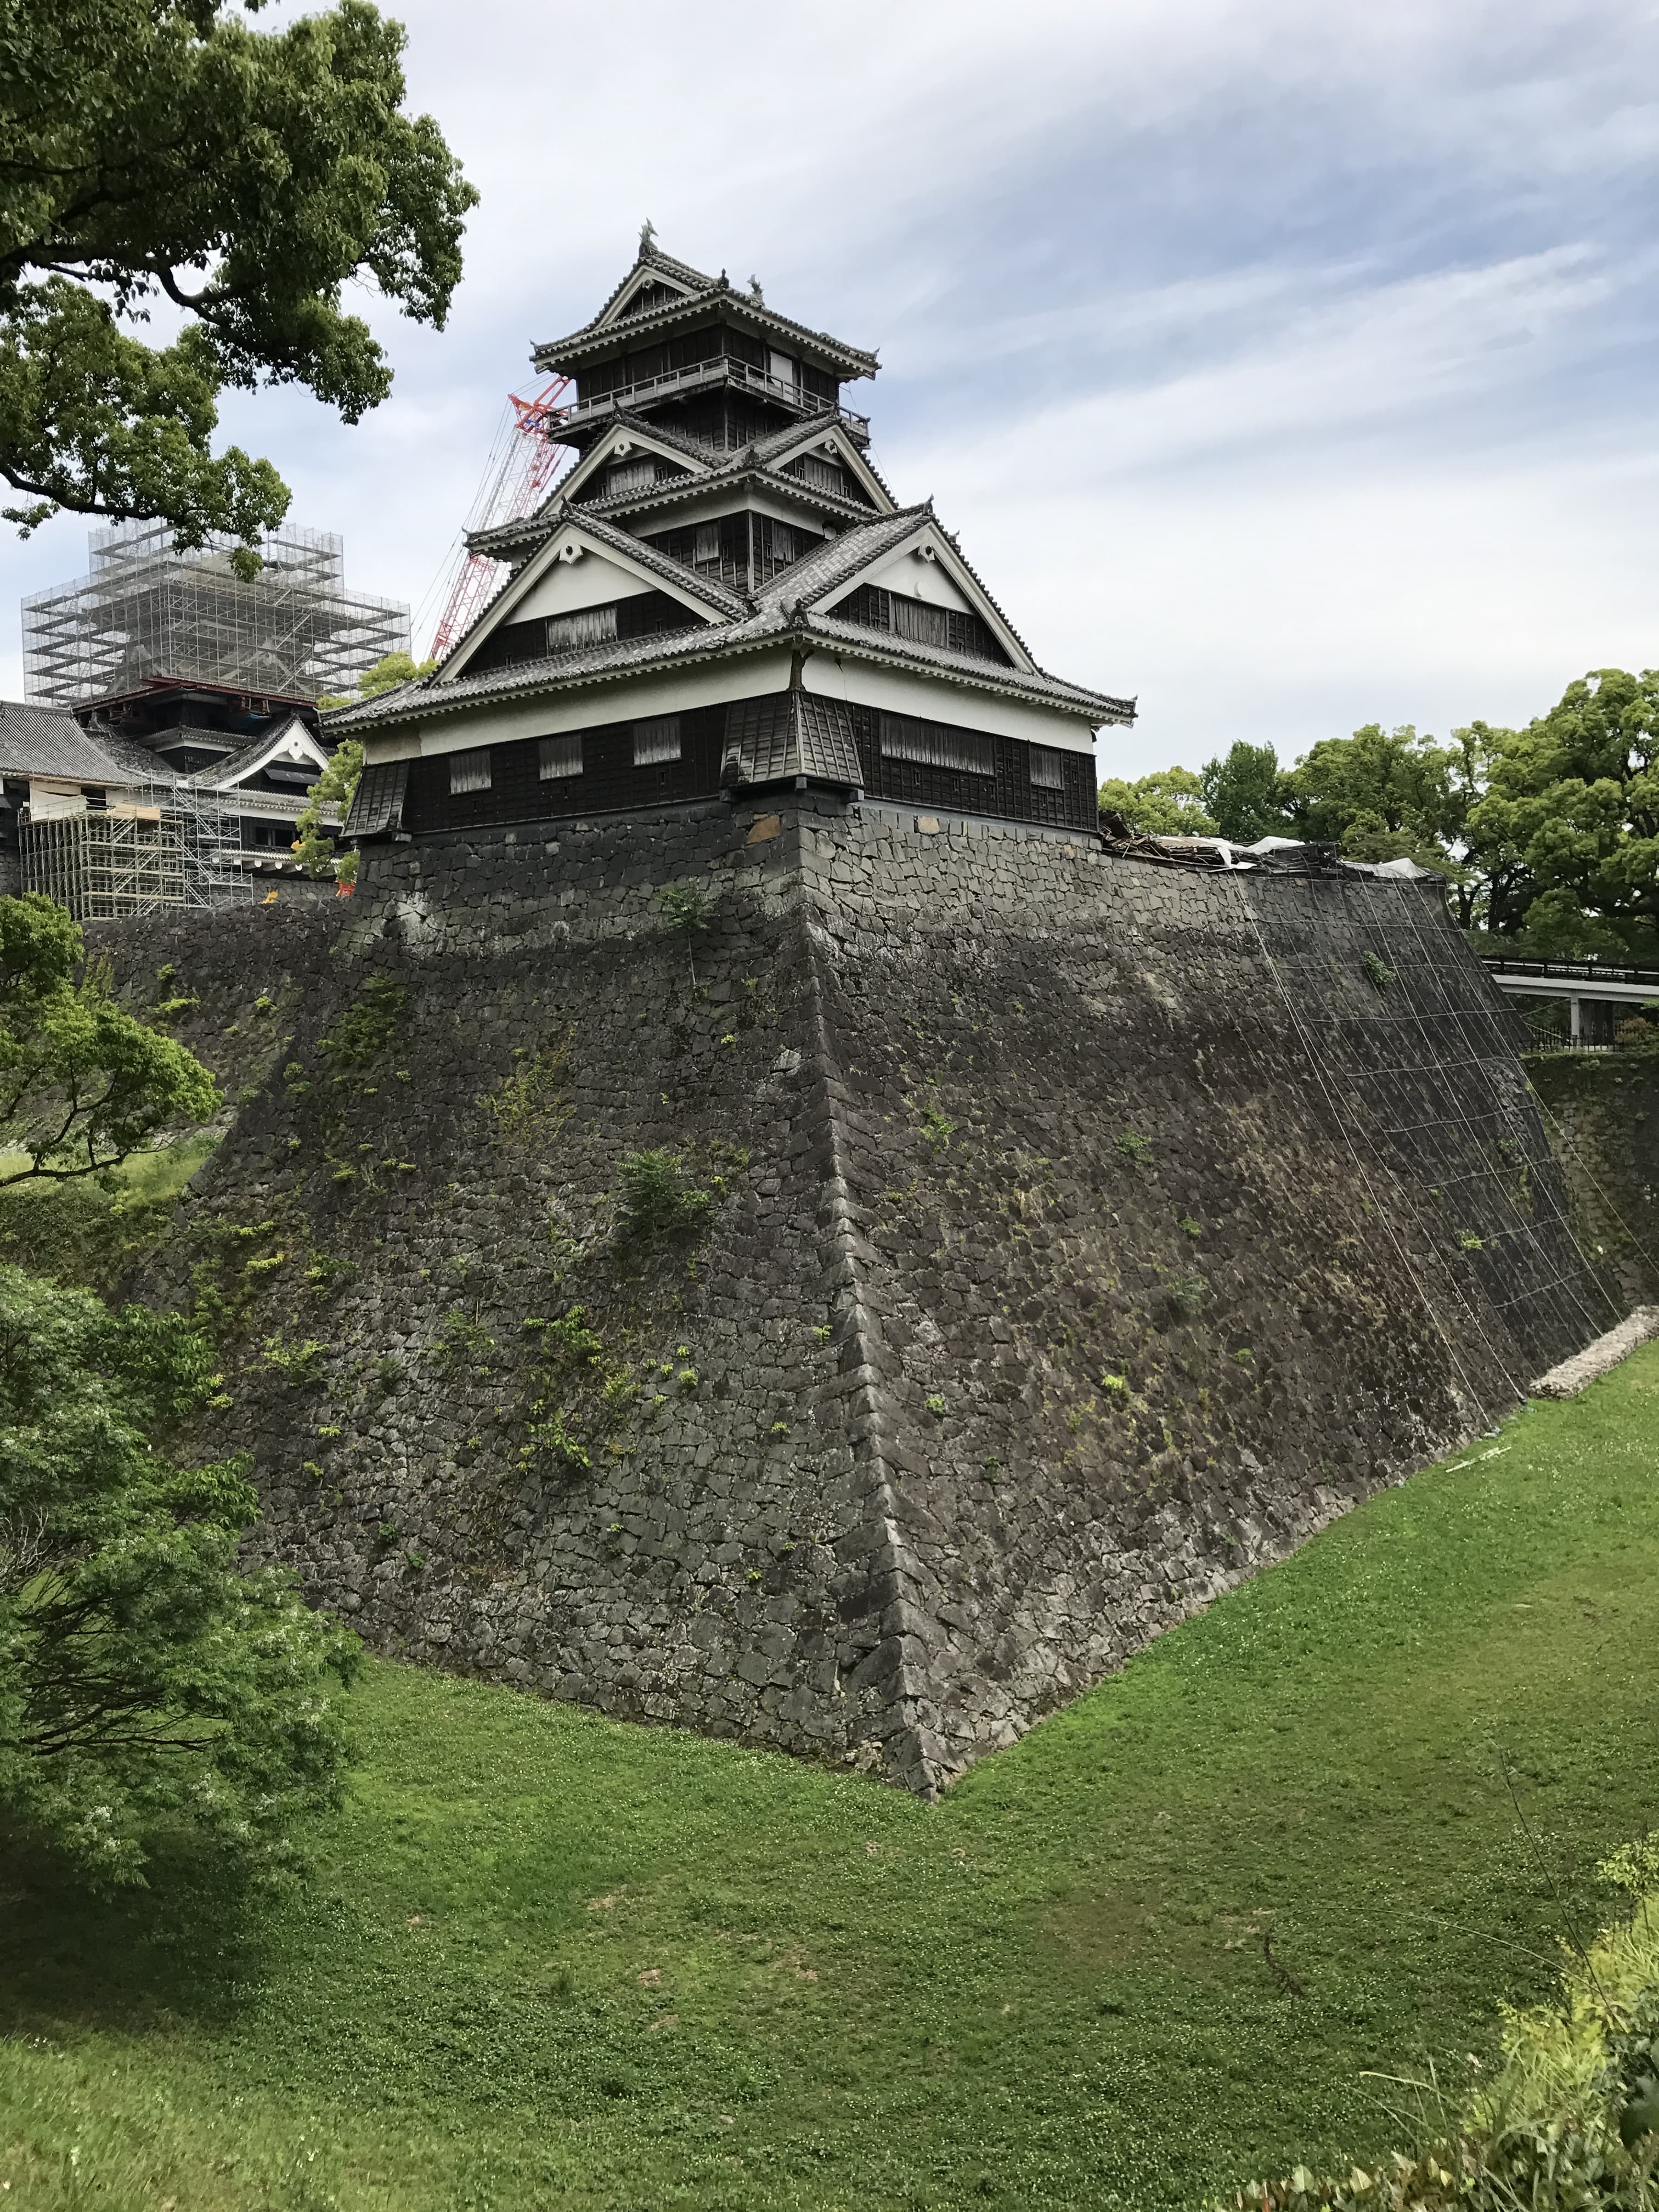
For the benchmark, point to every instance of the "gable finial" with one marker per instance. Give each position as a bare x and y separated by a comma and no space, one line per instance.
647,237
756,293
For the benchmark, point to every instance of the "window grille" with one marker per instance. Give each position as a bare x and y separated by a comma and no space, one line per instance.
934,744
915,619
656,740
822,474
558,757
631,476
1048,768
590,626
706,544
469,772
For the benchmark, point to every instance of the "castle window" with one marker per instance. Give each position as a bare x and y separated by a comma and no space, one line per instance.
706,543
822,475
1048,768
588,626
915,619
558,757
781,368
631,476
469,772
657,740
933,745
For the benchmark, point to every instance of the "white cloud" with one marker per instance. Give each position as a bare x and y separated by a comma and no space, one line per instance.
1286,364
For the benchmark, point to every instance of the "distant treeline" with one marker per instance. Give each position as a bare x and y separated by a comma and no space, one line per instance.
1548,835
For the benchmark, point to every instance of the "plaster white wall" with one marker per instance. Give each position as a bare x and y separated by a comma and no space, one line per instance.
863,685
503,721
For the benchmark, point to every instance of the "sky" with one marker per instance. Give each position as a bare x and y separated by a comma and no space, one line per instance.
1286,367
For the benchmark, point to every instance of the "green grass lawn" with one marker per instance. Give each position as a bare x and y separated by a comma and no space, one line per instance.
551,1960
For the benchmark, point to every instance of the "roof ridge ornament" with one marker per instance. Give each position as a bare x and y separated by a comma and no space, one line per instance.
647,239
756,293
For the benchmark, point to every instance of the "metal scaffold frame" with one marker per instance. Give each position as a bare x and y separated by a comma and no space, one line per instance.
146,610
171,846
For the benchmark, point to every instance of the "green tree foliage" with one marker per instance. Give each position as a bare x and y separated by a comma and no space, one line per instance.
147,1684
1382,795
1167,803
162,153
1242,794
1565,837
82,1082
389,671
338,784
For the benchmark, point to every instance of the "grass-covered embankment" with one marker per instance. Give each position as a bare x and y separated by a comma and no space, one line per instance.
548,1960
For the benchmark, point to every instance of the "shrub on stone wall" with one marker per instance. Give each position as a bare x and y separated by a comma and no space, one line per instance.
658,1196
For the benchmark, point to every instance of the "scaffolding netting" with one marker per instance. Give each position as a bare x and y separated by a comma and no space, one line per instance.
147,610
170,845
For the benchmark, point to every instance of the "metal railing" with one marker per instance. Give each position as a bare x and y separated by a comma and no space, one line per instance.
704,373
1579,971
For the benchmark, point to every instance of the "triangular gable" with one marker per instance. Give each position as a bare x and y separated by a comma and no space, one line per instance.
575,545
620,442
669,275
898,568
292,746
833,441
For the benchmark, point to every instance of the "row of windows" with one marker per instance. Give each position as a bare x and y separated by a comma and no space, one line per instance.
939,744
900,737
900,616
643,615
654,742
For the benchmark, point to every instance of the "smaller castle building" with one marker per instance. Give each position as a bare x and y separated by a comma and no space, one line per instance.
722,594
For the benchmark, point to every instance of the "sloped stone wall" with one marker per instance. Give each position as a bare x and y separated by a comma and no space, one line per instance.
1081,1235
1601,1111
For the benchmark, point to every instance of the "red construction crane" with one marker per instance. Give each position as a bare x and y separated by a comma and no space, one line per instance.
523,463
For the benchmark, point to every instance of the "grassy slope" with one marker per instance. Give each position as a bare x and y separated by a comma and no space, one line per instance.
552,1961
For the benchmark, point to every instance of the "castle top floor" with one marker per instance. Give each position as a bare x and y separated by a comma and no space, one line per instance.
673,341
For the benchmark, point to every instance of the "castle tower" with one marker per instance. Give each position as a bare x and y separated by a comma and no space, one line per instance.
722,594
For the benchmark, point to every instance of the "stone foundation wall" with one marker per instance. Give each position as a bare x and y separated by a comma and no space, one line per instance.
1080,1236
1602,1115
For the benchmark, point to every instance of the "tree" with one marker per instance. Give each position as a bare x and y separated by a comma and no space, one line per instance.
1566,836
161,153
1242,794
389,671
1383,795
147,1683
1167,803
82,1082
337,783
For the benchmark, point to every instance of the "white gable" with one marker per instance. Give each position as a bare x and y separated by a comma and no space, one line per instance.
593,581
624,441
573,569
292,746
920,578
927,566
648,274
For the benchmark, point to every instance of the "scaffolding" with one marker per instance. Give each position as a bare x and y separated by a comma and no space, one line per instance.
165,846
147,611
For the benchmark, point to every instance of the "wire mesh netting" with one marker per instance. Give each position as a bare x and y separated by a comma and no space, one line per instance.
145,609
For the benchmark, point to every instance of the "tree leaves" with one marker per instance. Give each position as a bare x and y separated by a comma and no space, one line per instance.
145,1681
82,1082
162,153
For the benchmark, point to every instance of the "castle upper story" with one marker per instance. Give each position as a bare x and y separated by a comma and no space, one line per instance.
721,594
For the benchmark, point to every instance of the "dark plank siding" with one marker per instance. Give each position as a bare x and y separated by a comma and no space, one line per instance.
610,782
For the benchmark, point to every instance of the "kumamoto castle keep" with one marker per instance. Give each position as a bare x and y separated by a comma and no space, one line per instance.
758,1213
